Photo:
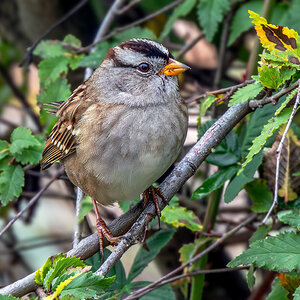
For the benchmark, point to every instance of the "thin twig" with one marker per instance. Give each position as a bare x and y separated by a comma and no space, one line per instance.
189,46
141,292
28,56
279,149
138,22
30,203
20,97
127,7
191,274
108,19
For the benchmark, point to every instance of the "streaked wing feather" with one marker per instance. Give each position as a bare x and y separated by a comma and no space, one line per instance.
62,140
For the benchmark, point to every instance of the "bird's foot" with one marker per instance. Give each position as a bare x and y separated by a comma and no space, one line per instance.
103,231
154,192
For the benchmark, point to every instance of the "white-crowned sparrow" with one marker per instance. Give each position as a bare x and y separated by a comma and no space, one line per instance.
123,127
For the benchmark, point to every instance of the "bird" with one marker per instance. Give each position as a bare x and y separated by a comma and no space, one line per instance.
122,128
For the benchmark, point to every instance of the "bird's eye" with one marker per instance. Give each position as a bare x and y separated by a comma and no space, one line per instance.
143,67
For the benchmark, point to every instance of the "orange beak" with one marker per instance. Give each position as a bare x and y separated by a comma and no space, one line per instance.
174,68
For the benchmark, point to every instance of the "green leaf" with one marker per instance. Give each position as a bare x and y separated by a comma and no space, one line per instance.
180,11
155,243
272,77
48,49
86,207
4,149
296,295
180,217
94,59
260,233
40,274
11,183
71,39
206,103
134,33
31,155
51,68
126,205
238,182
240,21
291,217
5,297
87,285
278,292
117,270
58,90
227,153
245,93
60,265
291,95
250,277
268,130
260,195
214,182
210,14
257,121
22,138
276,253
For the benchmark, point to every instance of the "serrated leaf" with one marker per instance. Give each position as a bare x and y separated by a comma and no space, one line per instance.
40,274
291,217
71,39
180,11
243,177
155,243
240,21
58,90
260,195
290,96
277,39
296,295
134,33
11,183
210,14
4,149
87,285
31,155
60,265
245,93
258,120
180,217
260,233
278,292
274,77
22,138
267,131
51,68
94,59
276,253
214,182
48,49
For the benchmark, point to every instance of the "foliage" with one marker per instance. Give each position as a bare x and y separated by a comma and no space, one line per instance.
244,159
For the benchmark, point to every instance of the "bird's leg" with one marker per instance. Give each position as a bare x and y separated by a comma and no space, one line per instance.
103,230
154,191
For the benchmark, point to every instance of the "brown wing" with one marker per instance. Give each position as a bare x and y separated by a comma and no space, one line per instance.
62,140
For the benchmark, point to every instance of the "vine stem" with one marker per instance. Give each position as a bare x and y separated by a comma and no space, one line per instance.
279,150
